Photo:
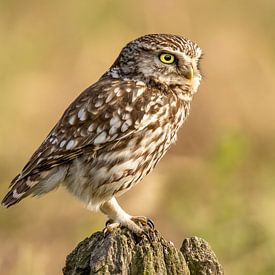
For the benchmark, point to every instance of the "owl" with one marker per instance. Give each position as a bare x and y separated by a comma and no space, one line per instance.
116,131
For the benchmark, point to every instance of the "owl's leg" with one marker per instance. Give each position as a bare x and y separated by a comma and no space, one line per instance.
118,216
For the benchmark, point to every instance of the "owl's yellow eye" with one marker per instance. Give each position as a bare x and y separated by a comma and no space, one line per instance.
167,58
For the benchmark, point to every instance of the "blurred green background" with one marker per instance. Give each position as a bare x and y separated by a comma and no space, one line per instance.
216,183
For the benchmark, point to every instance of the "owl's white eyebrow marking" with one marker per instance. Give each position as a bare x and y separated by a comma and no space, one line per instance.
101,138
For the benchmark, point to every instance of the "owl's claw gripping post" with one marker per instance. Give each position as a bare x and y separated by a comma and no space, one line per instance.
108,222
144,221
117,215
151,223
110,226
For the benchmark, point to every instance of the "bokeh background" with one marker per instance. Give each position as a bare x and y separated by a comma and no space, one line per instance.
216,183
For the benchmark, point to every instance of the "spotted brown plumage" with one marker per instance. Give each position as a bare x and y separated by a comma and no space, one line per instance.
117,130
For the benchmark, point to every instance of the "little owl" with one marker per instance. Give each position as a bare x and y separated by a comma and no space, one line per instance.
117,130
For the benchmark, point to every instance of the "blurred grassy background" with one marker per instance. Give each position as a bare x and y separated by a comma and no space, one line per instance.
217,182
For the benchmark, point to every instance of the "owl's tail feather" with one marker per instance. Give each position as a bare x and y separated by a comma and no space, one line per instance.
18,191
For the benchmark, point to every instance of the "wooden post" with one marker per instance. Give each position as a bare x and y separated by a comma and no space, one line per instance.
122,252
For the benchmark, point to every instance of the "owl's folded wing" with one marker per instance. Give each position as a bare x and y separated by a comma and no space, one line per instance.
104,113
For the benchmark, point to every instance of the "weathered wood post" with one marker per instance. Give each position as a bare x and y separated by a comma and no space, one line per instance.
122,252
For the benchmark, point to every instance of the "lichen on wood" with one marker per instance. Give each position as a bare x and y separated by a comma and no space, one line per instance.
122,252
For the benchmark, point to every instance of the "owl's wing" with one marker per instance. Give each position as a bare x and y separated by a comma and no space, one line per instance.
104,113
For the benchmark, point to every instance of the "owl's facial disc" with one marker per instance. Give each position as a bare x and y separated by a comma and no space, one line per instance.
166,60
167,67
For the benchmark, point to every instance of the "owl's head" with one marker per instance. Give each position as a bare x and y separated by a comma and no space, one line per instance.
163,59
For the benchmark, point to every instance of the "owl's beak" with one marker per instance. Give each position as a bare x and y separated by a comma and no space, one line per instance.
188,73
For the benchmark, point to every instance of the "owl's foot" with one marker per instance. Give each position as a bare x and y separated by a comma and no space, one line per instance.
119,217
110,225
133,224
143,221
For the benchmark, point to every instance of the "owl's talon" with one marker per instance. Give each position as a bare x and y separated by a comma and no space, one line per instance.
143,221
110,226
150,223
108,222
